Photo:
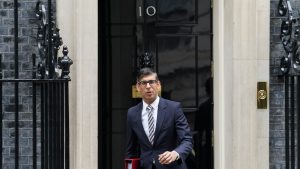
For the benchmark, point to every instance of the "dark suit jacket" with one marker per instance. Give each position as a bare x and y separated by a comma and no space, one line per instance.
172,133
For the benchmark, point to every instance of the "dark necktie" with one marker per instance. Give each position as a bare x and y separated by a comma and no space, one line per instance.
149,110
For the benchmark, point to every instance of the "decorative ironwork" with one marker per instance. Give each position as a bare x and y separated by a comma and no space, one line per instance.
290,69
49,42
64,63
146,60
50,96
290,63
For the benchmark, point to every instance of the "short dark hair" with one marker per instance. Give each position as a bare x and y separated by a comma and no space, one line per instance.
145,72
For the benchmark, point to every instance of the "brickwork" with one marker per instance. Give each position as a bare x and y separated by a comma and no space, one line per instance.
277,95
27,46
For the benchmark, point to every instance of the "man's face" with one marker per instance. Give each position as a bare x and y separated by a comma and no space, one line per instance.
148,87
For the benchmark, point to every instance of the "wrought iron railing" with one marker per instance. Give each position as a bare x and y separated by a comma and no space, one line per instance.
290,70
50,100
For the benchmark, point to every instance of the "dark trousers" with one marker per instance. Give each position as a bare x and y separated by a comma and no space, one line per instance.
153,166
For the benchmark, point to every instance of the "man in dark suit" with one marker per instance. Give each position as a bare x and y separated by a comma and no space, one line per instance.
157,130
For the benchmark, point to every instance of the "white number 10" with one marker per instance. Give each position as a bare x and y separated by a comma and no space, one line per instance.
150,11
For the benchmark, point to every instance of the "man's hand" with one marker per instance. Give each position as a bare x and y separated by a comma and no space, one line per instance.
168,157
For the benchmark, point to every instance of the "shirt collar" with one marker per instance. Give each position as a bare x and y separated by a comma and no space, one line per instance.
153,104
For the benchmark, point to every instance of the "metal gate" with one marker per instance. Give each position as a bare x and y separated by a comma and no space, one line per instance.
50,101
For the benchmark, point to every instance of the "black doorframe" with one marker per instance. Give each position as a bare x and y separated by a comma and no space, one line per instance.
104,86
105,89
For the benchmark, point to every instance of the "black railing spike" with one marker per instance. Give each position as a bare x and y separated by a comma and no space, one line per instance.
34,67
282,8
1,115
1,71
64,63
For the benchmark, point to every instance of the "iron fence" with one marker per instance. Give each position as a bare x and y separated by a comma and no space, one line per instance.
50,95
290,71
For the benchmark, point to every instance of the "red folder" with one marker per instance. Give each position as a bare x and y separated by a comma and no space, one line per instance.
132,163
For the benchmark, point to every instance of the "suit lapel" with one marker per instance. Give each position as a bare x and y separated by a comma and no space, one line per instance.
160,117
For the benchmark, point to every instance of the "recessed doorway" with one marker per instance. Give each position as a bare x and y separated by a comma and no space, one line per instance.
177,37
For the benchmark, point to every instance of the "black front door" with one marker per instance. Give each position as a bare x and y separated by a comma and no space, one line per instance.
176,36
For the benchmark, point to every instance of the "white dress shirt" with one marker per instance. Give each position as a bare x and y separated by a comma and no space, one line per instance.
145,115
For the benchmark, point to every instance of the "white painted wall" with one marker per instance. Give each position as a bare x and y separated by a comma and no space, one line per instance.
78,21
241,56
